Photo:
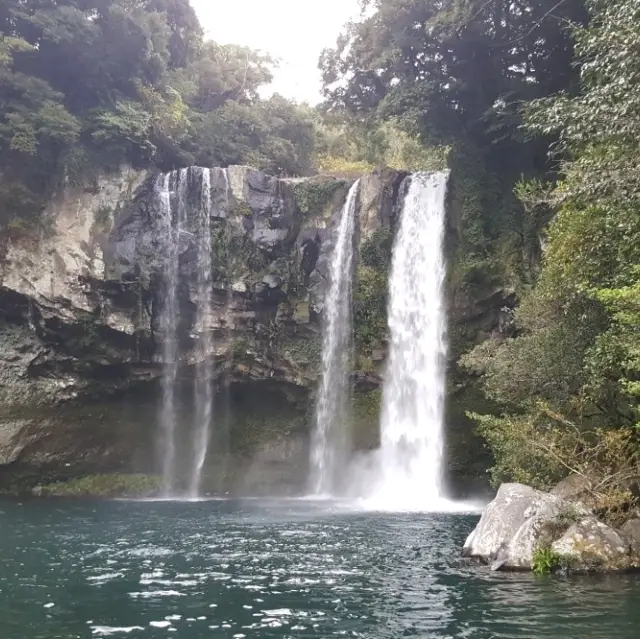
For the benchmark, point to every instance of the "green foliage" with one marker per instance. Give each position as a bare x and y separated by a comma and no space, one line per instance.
376,251
370,293
577,351
313,197
545,560
302,350
514,441
350,147
106,486
89,86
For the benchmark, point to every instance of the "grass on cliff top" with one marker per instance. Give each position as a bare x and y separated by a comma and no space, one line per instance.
116,485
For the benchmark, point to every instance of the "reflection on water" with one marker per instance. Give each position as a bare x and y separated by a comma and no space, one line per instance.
277,569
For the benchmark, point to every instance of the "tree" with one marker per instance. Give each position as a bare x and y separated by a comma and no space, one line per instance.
578,351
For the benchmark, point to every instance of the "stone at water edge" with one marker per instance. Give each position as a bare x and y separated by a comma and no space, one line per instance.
513,525
592,545
521,519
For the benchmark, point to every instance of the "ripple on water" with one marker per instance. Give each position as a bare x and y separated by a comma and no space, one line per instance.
279,569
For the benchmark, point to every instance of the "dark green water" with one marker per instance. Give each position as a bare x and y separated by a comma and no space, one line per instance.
277,569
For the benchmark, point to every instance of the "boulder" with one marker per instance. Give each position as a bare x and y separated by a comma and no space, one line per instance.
631,530
519,520
512,525
592,545
575,488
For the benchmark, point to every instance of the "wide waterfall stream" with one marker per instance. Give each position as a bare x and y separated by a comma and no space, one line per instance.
409,465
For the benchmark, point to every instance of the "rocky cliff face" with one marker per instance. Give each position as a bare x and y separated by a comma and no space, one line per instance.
81,296
81,339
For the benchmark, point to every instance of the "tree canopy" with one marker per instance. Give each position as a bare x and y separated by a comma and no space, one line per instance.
91,84
575,366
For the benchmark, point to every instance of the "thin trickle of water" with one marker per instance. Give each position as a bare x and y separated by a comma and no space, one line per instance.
204,345
170,235
203,398
410,458
329,446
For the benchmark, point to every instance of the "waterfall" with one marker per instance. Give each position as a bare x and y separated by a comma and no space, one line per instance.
185,209
329,446
170,237
204,340
410,459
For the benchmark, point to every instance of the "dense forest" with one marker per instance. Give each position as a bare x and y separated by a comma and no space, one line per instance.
533,104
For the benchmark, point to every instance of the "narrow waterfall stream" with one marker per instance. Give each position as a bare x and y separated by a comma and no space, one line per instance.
170,228
330,441
203,390
410,474
185,209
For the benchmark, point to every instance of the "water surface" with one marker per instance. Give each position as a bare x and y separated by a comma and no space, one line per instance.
277,569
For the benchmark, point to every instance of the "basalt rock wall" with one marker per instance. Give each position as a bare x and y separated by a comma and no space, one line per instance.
81,342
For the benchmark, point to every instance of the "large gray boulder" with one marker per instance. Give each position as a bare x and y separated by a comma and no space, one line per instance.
513,525
521,521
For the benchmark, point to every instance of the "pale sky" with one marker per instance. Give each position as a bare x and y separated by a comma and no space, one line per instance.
295,31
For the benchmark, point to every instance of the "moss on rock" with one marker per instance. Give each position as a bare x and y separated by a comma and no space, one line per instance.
366,419
115,485
371,291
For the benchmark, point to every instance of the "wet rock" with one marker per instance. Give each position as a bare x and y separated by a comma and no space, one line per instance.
380,200
520,521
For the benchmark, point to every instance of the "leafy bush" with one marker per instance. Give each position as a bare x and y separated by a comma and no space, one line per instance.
313,196
545,560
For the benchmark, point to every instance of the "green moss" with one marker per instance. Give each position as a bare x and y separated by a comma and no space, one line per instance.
376,252
115,485
365,410
314,196
242,209
302,350
370,293
220,252
262,413
370,308
103,218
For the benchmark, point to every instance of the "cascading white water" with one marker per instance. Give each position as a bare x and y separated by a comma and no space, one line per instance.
170,236
204,339
410,473
185,218
330,442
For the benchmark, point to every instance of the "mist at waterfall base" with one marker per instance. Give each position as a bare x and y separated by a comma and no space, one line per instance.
268,569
